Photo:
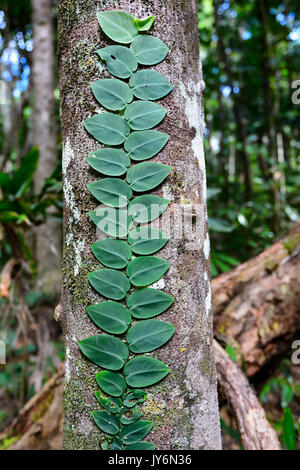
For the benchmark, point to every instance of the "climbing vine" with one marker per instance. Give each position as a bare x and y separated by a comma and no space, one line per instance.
125,213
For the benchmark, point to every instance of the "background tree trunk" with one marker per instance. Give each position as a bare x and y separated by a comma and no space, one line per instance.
48,235
184,406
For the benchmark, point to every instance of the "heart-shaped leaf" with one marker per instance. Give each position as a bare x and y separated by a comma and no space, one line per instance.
146,208
147,240
109,283
111,221
111,404
111,191
148,302
141,445
118,25
130,416
112,383
134,397
135,432
142,145
112,94
145,23
146,270
148,50
109,161
120,61
147,175
147,335
142,115
108,128
143,371
105,351
112,253
110,316
106,421
149,85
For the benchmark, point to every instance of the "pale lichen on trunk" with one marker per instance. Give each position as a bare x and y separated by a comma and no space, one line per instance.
184,406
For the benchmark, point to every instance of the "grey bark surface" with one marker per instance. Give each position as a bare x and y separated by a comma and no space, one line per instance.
47,236
183,406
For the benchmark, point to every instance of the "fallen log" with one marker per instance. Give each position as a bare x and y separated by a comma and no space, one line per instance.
38,425
255,431
257,305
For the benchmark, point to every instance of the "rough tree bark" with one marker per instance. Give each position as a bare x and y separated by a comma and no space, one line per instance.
184,406
256,305
48,235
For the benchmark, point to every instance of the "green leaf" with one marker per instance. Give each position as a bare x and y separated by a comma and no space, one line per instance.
110,316
108,128
134,397
147,175
286,395
289,435
145,23
116,444
231,352
112,94
146,270
146,208
111,191
148,50
120,61
141,445
113,222
147,335
149,85
22,177
142,115
218,225
4,180
147,240
118,25
111,404
130,416
109,161
148,302
112,383
109,283
112,253
106,421
105,351
142,145
143,371
135,432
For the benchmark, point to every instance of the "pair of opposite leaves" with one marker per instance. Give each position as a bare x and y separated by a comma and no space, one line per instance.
118,223
116,192
113,129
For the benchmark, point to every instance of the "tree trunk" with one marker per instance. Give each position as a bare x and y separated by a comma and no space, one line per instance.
241,148
256,305
183,406
48,235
